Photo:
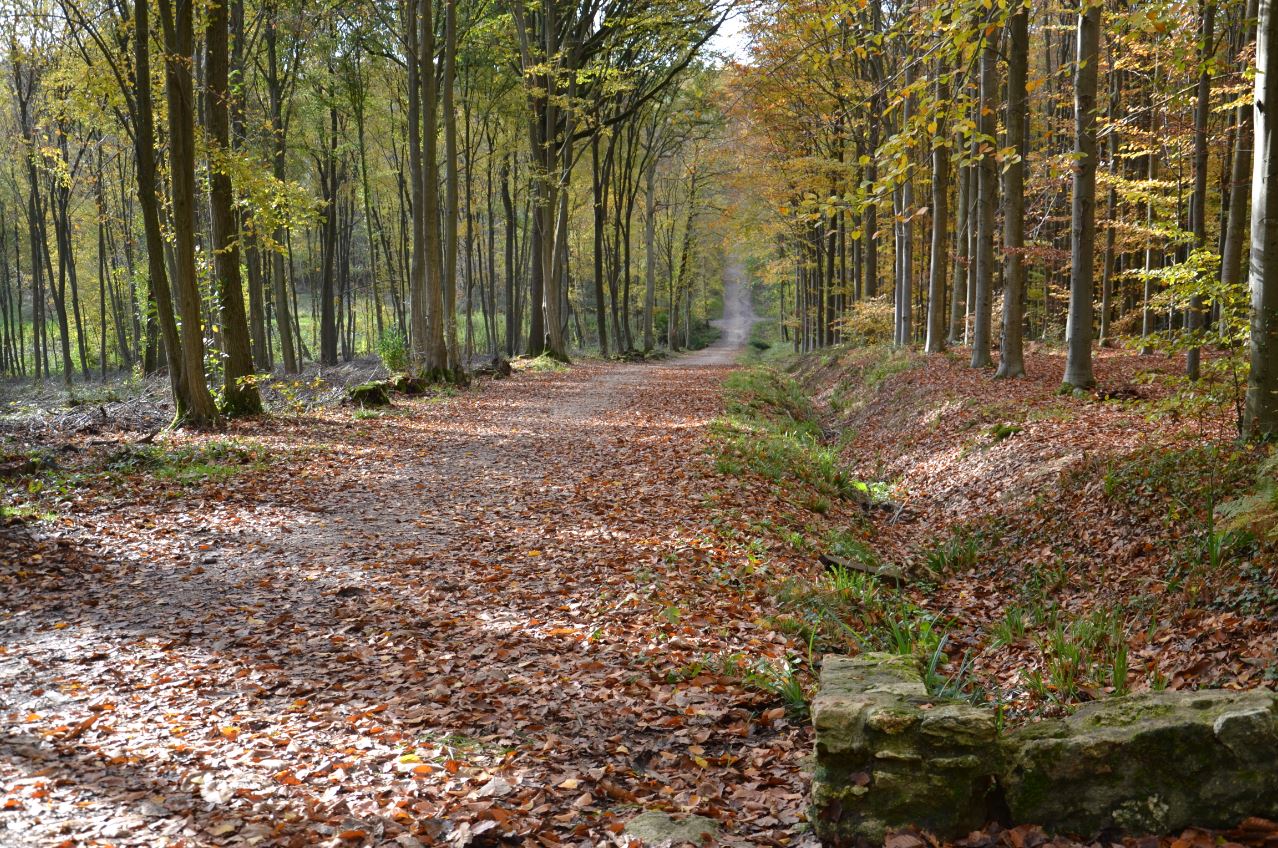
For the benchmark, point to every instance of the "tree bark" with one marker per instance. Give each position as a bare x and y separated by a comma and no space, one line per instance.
1234,249
239,394
148,193
1078,364
650,253
448,277
1194,319
987,189
1261,415
275,92
935,342
958,298
1012,359
905,287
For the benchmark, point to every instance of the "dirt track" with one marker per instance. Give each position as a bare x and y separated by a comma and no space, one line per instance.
463,620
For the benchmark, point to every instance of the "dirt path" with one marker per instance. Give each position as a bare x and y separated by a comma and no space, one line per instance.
491,618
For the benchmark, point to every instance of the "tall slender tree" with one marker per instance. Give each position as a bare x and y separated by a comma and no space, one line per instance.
239,393
1262,380
1012,358
1078,363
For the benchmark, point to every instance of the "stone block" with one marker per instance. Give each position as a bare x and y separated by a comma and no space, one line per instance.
1150,763
888,755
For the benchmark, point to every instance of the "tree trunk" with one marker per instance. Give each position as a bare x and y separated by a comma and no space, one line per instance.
598,219
871,236
905,290
987,189
1233,252
1198,210
958,299
1111,209
508,207
1262,382
1078,364
178,18
650,252
326,160
148,193
1012,359
275,90
239,394
935,342
448,278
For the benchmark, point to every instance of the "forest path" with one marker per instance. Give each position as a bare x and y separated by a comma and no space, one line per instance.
479,618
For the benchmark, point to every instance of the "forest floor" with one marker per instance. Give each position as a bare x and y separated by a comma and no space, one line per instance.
525,612
1036,549
468,618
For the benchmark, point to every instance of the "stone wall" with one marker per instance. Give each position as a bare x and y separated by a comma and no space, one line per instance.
888,755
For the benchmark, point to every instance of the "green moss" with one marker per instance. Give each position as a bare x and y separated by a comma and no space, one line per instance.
1120,712
25,512
545,363
373,393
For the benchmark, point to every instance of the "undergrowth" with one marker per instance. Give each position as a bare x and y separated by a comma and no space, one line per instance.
186,465
191,464
782,679
543,363
1046,613
1208,499
770,428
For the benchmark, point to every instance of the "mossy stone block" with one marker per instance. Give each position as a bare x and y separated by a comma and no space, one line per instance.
1151,763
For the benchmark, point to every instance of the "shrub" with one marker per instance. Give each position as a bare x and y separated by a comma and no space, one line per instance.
392,348
868,322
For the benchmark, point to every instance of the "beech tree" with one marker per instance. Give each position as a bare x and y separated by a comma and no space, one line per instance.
1012,360
1078,365
239,394
1262,382
442,182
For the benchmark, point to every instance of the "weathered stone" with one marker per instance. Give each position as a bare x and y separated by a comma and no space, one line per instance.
656,829
1149,763
959,722
888,755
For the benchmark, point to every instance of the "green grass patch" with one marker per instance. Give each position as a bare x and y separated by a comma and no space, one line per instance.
766,345
190,465
780,679
846,546
849,610
1081,652
543,363
765,394
999,432
771,428
25,512
891,362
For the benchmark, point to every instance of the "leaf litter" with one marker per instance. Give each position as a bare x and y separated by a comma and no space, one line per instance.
459,624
